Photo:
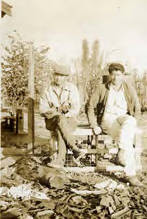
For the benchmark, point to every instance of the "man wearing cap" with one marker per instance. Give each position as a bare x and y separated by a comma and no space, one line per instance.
59,106
112,109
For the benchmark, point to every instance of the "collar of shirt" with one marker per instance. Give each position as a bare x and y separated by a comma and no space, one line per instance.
116,100
58,90
59,95
117,89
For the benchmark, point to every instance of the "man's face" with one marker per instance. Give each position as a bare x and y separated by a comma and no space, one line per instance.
59,79
117,77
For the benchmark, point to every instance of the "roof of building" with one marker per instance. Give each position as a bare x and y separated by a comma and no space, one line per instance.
6,9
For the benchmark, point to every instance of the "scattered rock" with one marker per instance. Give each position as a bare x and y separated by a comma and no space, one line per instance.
55,178
12,213
44,213
4,205
89,192
57,182
120,213
6,162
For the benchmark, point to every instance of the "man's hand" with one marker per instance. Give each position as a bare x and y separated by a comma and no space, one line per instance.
64,108
50,114
97,130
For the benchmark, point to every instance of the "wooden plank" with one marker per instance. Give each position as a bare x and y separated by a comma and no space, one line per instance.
82,132
80,169
87,151
97,148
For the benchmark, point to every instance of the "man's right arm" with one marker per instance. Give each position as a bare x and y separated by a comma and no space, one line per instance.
44,106
45,109
94,100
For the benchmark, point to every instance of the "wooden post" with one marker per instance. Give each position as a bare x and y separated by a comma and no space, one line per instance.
31,131
97,154
19,121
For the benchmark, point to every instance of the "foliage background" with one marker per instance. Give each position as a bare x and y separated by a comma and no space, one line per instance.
89,70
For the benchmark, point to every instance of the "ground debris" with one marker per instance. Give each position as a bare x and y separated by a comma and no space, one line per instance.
27,167
36,191
4,205
120,213
47,213
12,212
7,161
88,192
52,177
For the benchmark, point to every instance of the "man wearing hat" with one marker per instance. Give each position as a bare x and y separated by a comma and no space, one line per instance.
59,106
112,109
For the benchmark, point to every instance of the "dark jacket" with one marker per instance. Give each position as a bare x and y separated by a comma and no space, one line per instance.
98,101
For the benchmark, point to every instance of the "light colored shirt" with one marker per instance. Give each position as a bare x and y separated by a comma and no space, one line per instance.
55,96
116,106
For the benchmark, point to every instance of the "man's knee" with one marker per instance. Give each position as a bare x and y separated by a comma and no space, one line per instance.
51,124
132,121
67,123
129,120
127,159
121,157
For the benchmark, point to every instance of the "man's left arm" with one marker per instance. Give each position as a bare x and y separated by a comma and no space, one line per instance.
137,106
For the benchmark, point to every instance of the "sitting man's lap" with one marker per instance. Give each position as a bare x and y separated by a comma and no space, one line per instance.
123,131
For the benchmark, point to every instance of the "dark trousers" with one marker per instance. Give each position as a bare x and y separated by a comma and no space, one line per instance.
62,128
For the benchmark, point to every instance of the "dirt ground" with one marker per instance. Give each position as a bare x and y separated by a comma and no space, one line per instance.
32,189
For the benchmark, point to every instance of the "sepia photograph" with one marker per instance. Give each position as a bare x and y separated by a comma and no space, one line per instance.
73,109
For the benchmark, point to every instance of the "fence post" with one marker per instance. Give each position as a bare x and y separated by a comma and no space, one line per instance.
31,130
19,121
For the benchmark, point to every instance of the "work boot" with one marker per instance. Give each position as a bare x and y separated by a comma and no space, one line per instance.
78,155
56,163
134,181
120,157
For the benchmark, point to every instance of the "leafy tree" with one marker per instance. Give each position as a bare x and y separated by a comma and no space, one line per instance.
141,87
15,66
85,53
91,68
94,57
14,72
89,71
94,68
85,67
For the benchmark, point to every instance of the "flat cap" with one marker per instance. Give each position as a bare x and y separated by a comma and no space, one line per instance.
60,70
116,67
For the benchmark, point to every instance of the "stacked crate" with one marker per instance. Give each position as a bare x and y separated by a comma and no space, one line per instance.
95,147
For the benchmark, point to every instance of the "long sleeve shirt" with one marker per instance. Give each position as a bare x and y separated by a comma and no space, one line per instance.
54,97
116,106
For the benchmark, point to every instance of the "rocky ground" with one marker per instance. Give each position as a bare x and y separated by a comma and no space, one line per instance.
32,189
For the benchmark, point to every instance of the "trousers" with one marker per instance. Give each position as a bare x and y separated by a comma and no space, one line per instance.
61,128
123,130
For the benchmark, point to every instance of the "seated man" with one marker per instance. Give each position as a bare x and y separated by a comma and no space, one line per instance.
117,106
59,106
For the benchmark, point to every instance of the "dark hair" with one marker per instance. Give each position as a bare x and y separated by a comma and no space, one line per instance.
116,67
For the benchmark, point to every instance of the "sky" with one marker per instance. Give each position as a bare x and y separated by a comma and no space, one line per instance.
119,25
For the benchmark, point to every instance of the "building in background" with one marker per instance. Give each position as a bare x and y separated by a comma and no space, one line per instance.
6,9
